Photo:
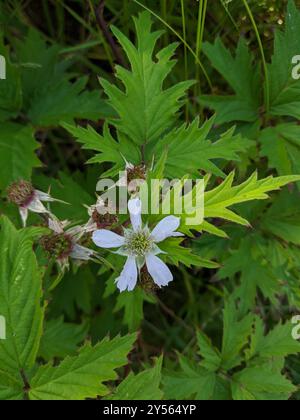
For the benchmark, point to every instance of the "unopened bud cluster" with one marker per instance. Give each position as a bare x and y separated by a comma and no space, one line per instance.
104,221
57,245
136,172
20,193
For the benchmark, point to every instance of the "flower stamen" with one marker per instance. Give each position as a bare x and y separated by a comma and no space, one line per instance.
139,243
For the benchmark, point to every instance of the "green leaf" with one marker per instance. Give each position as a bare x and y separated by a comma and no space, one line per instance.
82,376
236,333
191,142
143,386
61,339
225,195
278,343
49,96
73,191
259,383
110,150
243,78
255,273
17,153
281,145
194,382
283,218
10,88
20,296
177,255
11,388
133,303
145,109
211,356
251,363
285,91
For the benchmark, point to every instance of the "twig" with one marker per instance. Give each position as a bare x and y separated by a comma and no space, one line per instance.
107,34
26,387
175,317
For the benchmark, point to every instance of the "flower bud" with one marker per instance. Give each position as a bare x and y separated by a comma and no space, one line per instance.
20,193
136,172
104,221
57,245
147,282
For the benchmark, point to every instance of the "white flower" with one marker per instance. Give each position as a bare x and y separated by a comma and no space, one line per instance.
28,199
139,246
66,244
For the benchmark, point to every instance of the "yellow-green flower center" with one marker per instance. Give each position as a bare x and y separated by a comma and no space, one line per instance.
139,243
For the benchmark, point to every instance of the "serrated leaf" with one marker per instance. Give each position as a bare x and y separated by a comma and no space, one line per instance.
191,142
279,342
242,76
281,145
283,218
194,382
49,96
20,295
236,333
225,195
110,150
259,383
17,153
82,376
145,110
254,274
211,356
284,89
180,255
143,386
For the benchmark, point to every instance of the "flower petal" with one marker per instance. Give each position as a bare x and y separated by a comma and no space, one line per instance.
43,196
81,253
107,239
55,225
135,211
37,206
24,215
47,197
158,270
129,275
166,228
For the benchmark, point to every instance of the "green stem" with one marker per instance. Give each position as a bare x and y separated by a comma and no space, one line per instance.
267,86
